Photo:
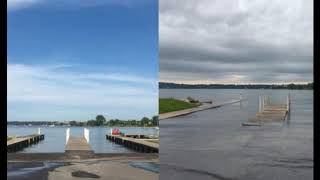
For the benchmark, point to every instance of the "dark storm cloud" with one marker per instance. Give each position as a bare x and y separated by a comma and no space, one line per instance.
236,41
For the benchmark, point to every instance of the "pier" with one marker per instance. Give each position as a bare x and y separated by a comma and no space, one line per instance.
22,142
78,145
196,109
139,143
269,112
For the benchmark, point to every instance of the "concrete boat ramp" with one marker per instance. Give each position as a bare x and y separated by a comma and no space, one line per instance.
203,107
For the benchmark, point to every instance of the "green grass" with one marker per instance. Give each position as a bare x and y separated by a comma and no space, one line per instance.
10,137
170,105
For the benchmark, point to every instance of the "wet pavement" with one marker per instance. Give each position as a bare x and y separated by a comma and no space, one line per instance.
212,144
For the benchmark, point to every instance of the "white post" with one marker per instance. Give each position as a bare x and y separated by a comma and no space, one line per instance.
259,103
39,131
86,134
240,96
157,128
67,135
288,102
110,131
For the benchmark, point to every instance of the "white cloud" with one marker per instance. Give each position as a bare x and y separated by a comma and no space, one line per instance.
20,4
52,86
17,4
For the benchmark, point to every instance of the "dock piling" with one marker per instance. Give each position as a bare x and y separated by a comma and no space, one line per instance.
269,112
137,143
21,142
288,102
78,145
86,134
67,135
260,103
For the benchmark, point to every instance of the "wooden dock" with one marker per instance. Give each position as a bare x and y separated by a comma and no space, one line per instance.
196,109
137,144
22,142
269,112
78,145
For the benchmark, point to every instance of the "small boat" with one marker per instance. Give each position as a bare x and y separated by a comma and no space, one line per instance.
115,132
52,125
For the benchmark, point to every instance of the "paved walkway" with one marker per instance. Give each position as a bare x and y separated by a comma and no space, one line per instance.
196,109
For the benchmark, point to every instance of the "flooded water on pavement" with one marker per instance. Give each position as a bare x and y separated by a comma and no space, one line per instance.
212,144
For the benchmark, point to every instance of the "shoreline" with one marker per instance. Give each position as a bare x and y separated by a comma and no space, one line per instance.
202,107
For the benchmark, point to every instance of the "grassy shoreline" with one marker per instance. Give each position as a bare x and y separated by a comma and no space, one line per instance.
10,138
170,105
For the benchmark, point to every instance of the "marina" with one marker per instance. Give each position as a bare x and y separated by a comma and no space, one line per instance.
55,138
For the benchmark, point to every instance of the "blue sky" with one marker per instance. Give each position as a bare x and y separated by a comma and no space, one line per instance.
74,60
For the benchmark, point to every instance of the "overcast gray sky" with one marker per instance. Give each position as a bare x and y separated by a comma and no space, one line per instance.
236,41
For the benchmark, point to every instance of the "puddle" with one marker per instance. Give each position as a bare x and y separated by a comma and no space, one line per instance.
84,174
21,169
148,166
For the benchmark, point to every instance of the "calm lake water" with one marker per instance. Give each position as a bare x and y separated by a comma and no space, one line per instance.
212,144
55,138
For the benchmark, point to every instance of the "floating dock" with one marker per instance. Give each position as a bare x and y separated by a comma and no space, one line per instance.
269,112
139,143
22,142
196,109
78,145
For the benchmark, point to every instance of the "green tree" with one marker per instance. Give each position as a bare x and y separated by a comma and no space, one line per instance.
91,123
111,122
73,123
100,120
155,120
144,121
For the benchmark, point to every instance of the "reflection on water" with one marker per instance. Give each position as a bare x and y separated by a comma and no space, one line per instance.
212,144
55,138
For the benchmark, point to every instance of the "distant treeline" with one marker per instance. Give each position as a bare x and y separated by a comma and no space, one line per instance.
99,121
163,85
